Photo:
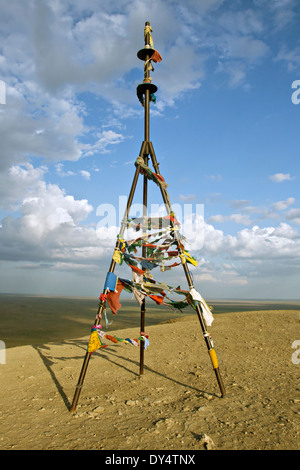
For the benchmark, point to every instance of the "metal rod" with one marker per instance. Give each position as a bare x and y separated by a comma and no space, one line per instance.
145,192
207,337
144,254
102,303
144,249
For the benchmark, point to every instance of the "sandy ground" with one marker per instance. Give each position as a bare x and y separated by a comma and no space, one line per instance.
175,405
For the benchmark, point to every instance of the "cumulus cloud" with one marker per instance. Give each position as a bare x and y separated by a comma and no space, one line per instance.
251,250
263,243
48,228
18,182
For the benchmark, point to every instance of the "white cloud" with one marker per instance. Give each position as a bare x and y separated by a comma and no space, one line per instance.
214,177
282,205
85,174
246,48
253,246
61,172
244,22
263,243
104,140
174,80
239,203
293,215
240,219
280,177
258,213
205,277
46,127
290,56
18,182
187,198
237,218
216,218
49,228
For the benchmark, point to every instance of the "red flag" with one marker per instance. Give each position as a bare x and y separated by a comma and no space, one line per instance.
158,299
113,297
137,270
160,177
156,57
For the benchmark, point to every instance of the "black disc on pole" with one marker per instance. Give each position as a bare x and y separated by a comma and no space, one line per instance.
143,53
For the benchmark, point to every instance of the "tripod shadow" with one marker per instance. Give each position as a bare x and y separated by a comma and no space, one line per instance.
108,354
49,361
113,355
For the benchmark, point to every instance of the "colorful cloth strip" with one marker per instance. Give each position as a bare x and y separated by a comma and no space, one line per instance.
95,342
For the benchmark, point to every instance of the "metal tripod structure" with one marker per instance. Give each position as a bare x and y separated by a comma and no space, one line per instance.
145,92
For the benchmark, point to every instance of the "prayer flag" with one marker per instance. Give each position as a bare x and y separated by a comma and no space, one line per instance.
111,338
197,297
111,281
158,299
156,57
136,269
113,297
94,342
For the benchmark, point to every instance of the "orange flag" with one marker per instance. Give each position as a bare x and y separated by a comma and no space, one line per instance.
113,297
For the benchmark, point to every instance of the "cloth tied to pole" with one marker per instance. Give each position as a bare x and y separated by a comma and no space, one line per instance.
205,308
113,297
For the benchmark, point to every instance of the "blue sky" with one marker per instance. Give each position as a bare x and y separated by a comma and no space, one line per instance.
225,130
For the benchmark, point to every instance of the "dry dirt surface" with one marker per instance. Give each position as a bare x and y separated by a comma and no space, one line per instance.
175,404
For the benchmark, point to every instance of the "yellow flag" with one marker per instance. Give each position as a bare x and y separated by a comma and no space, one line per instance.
117,256
94,342
190,259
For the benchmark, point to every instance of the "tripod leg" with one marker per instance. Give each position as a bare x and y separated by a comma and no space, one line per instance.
207,337
80,382
85,363
144,254
211,350
102,303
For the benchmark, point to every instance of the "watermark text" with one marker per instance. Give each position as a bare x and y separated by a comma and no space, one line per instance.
2,352
296,354
2,92
296,94
190,217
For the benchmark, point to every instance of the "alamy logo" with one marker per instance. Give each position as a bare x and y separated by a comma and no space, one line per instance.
190,217
296,354
296,94
2,92
2,352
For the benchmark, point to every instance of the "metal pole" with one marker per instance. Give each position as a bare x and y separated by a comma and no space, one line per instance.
102,303
144,254
145,194
145,223
207,337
